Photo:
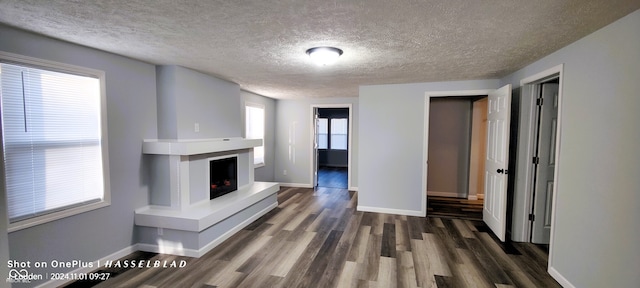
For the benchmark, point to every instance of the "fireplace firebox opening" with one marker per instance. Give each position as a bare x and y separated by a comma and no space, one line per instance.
223,176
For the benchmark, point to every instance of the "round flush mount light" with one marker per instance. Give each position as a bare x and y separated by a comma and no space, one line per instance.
324,55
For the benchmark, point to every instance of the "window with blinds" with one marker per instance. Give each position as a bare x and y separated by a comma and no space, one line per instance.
323,133
339,130
52,141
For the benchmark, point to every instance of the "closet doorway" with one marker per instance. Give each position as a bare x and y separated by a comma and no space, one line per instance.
456,153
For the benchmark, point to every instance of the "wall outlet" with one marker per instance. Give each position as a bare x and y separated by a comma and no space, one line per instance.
284,172
160,231
196,127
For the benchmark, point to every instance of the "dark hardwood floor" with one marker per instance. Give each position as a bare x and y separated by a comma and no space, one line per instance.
316,238
332,177
454,208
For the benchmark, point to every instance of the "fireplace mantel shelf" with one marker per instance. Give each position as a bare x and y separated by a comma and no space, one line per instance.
196,146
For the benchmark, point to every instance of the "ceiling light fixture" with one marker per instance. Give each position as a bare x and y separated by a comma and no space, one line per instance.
324,55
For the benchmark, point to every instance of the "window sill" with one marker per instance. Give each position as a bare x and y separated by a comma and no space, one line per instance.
258,165
27,223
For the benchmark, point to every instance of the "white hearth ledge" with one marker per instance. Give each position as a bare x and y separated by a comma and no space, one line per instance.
196,146
205,214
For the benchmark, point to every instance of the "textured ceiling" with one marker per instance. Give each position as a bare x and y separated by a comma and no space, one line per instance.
261,44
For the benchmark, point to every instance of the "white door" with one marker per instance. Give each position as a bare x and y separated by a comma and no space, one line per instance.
494,212
546,164
315,147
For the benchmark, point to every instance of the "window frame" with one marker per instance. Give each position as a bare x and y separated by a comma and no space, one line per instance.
26,61
264,126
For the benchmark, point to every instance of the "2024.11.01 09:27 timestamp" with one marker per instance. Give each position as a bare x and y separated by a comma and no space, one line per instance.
99,276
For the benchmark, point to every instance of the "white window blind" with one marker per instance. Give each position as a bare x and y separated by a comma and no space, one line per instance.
51,140
323,133
339,130
254,125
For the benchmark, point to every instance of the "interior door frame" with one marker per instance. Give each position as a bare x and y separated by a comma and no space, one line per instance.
526,183
312,169
425,142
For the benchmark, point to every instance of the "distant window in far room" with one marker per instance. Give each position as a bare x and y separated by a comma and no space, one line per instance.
339,134
254,125
323,133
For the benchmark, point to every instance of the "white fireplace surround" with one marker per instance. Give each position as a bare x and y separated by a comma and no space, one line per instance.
180,202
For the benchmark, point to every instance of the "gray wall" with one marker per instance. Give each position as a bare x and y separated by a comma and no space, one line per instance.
449,145
267,172
186,97
397,112
293,139
131,109
598,192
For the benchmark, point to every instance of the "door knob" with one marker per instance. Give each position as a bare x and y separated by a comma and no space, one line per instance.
500,171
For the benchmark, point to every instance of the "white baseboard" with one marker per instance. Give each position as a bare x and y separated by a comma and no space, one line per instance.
472,197
296,185
200,252
114,256
354,188
391,211
561,280
446,194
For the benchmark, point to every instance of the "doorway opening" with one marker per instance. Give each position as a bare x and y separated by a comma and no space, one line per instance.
331,155
538,154
456,153
496,172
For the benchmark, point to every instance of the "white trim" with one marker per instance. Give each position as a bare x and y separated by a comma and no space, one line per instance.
354,188
391,211
425,137
446,194
532,80
350,147
114,256
35,221
17,59
472,197
455,93
296,185
541,75
206,248
561,280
